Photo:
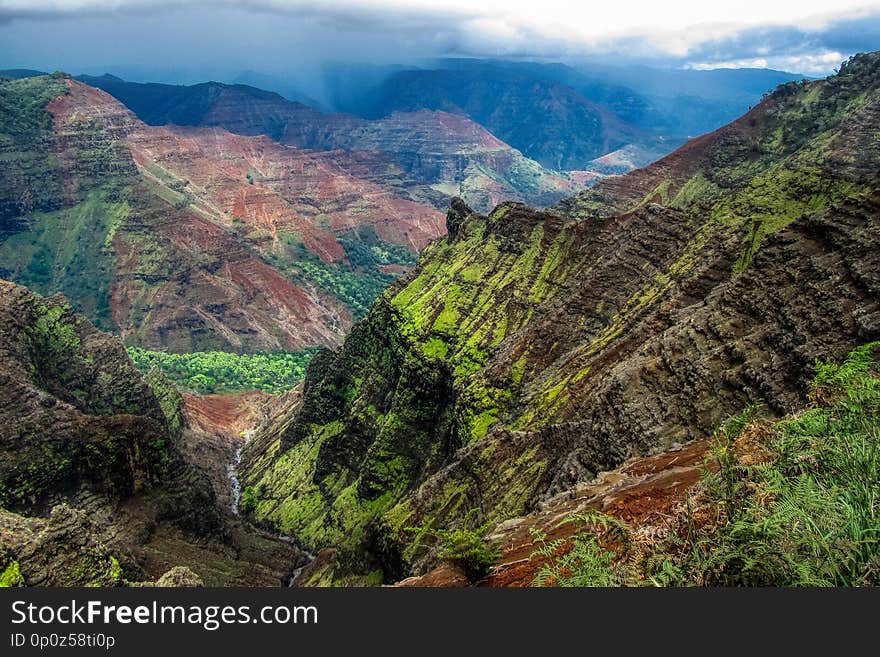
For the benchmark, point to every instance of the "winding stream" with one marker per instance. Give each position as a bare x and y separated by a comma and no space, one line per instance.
232,471
235,494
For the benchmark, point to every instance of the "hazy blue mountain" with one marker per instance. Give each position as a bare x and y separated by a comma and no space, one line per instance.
592,116
20,73
287,88
563,116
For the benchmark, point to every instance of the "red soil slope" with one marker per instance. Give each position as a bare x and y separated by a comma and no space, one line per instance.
208,209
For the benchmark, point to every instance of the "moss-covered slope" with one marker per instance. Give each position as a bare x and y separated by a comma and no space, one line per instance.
531,350
59,201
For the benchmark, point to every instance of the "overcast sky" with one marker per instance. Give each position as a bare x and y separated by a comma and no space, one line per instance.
275,36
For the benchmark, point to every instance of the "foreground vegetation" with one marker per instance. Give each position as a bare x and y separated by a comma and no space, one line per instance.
790,503
210,372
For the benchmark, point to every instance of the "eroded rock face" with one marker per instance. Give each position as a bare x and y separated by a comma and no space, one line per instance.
76,412
219,426
531,350
197,239
64,549
431,155
643,492
95,484
453,153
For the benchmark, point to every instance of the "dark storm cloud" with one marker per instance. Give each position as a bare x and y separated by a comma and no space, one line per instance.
856,35
273,35
350,17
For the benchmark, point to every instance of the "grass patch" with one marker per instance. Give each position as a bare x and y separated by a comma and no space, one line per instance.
465,548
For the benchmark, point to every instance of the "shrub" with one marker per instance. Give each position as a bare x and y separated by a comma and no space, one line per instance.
218,371
469,550
11,576
248,502
806,513
584,560
465,548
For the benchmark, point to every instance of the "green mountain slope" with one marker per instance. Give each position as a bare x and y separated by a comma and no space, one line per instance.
65,221
531,350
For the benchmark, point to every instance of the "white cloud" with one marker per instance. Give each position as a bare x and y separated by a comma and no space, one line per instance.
809,63
672,23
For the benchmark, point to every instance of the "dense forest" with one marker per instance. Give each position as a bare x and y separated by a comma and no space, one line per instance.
209,372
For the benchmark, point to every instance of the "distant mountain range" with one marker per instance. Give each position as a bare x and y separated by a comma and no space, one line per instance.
442,153
600,118
566,117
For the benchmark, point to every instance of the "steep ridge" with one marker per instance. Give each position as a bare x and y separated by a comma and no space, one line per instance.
531,350
643,492
735,510
219,425
95,487
186,239
436,154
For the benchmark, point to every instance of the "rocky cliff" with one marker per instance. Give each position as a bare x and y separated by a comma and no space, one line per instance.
95,484
531,350
193,239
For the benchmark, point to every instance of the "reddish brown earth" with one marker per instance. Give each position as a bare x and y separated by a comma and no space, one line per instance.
227,415
211,213
585,178
219,424
309,193
642,493
448,152
292,187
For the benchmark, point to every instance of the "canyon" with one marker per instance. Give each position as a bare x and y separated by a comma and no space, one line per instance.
433,155
530,365
197,239
99,481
